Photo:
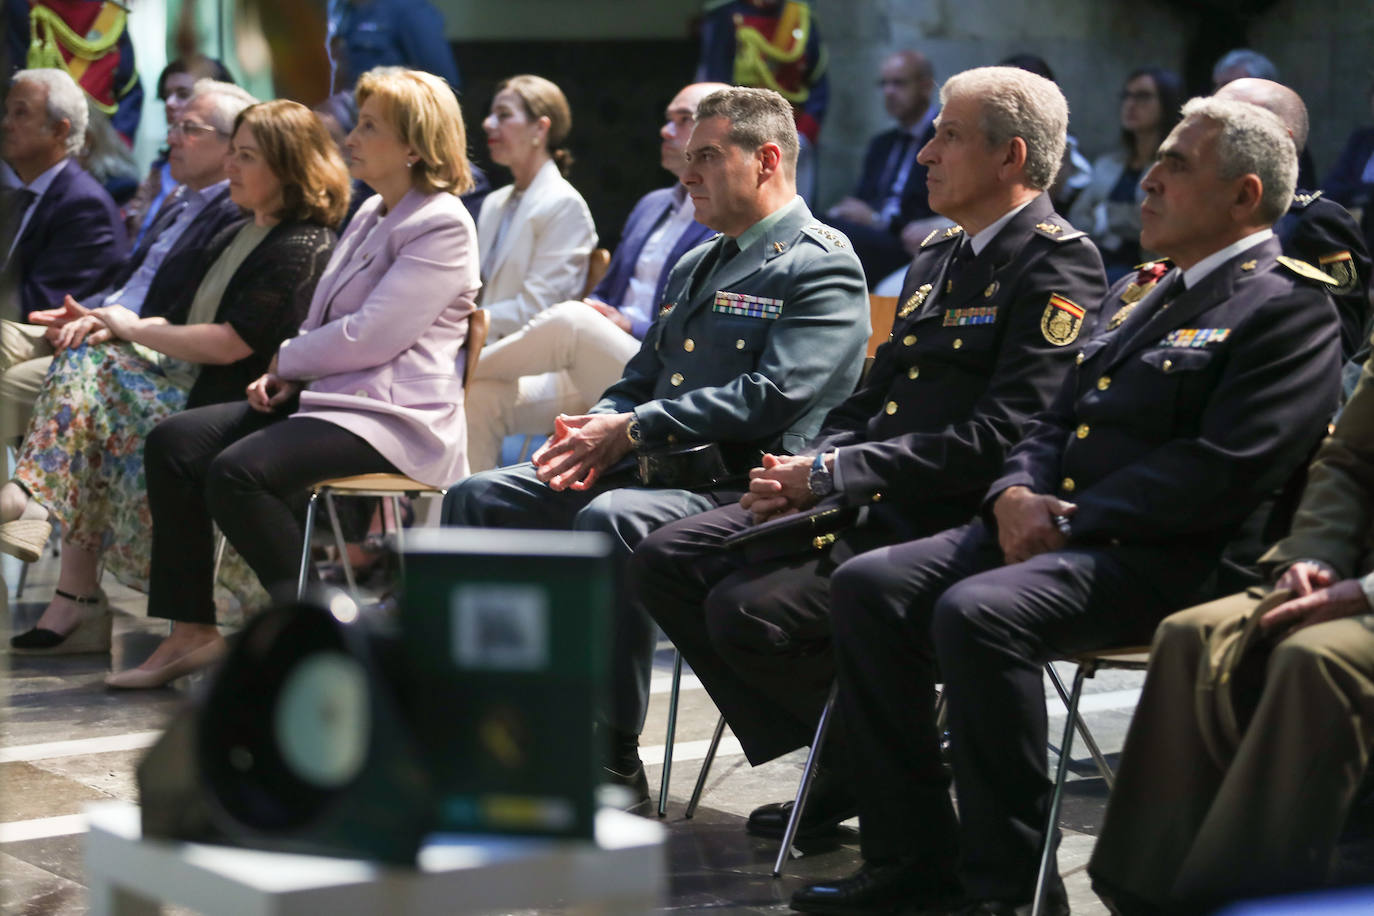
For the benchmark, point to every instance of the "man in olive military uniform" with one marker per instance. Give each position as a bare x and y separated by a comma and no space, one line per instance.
1191,403
1315,229
761,332
984,334
1201,815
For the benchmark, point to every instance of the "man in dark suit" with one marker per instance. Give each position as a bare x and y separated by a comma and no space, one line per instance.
761,332
1316,230
586,343
1190,404
892,187
991,310
63,231
156,279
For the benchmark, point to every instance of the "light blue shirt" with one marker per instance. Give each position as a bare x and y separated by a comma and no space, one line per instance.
132,294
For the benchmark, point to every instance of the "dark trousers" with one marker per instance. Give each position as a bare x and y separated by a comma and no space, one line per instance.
514,498
947,603
248,472
757,634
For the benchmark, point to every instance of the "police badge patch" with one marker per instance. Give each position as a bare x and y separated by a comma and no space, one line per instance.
1061,321
1341,266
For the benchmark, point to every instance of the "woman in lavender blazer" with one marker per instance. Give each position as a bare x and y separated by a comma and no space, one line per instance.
373,383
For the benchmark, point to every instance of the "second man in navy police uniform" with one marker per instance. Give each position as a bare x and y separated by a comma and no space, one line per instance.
760,334
985,334
1190,404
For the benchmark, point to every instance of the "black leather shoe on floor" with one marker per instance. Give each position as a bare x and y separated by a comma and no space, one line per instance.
830,802
635,784
888,888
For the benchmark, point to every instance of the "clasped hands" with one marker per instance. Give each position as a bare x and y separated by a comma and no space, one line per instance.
781,486
269,391
1318,597
73,323
581,449
1028,523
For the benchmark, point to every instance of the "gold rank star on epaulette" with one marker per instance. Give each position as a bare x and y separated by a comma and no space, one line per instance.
941,235
1051,228
830,235
1305,198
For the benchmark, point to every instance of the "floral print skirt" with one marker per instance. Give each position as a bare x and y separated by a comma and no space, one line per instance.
83,457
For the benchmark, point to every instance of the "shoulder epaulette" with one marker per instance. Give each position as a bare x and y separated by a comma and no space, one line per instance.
942,235
1057,228
1303,269
1303,199
832,237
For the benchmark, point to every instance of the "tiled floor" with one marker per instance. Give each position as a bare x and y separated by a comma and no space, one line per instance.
45,781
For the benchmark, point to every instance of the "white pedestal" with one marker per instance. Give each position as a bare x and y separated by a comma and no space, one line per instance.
621,873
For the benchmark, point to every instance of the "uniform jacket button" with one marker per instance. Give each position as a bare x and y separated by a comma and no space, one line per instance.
1067,485
676,379
689,345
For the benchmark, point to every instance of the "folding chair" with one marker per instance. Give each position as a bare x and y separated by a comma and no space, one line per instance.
803,789
1132,658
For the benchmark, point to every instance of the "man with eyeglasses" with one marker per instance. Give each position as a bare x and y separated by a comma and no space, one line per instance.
892,186
159,273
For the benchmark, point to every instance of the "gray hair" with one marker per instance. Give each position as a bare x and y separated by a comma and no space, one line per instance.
1252,141
66,102
1254,63
756,116
228,101
1017,103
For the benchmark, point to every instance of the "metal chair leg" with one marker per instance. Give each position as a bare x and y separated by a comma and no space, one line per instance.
808,775
1089,742
706,767
340,544
304,574
1042,879
400,536
672,732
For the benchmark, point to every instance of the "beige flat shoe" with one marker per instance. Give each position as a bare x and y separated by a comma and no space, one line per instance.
148,678
25,538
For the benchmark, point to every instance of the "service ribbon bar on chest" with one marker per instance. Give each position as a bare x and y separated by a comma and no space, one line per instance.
747,306
983,314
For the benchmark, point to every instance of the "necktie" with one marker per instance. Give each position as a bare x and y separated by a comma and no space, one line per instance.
963,256
724,253
894,178
16,203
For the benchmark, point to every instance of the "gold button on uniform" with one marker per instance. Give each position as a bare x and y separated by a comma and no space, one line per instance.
1082,431
958,342
908,340
1168,364
1078,360
877,497
739,344
672,438
1104,383
676,379
1067,485
913,372
891,408
689,345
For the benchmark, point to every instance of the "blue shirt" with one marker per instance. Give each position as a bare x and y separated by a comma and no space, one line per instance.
132,294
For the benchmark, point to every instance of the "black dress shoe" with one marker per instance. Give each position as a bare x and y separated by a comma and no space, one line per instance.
887,888
635,783
830,802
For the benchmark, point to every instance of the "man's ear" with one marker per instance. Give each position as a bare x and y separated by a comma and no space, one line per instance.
1249,190
1014,160
770,158
61,129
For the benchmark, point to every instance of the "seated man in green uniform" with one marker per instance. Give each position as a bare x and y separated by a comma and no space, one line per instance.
761,332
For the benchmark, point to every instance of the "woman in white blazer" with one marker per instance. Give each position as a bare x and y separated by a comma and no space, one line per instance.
371,384
535,234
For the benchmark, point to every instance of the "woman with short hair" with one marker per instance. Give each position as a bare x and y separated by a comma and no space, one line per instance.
373,382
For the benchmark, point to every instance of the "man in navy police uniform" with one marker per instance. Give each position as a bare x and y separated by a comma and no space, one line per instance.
1189,405
991,312
761,332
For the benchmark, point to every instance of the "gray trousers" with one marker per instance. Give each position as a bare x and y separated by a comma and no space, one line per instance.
514,498
1180,830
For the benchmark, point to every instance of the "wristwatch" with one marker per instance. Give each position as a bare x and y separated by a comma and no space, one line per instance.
633,432
821,482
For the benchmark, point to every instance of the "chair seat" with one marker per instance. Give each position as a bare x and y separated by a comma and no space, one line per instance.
377,484
1116,657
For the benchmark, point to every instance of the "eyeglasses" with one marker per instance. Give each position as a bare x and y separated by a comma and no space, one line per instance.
187,128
